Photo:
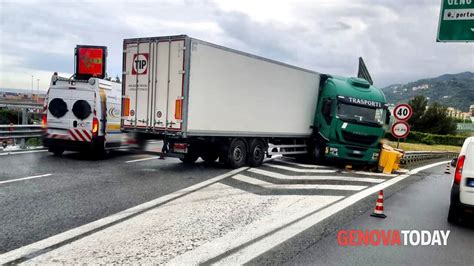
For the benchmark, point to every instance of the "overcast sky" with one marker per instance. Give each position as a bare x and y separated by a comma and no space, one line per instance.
396,38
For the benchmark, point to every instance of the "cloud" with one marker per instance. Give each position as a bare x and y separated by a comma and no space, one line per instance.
395,38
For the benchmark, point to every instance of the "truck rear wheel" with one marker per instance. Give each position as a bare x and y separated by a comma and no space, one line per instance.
210,156
256,152
189,157
237,154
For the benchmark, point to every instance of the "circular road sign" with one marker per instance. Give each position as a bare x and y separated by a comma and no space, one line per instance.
400,129
402,112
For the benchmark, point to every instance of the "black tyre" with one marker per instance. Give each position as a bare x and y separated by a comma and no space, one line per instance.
453,215
256,152
236,154
58,151
317,153
210,156
189,158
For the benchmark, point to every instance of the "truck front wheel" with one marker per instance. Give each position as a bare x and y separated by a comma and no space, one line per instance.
237,154
317,153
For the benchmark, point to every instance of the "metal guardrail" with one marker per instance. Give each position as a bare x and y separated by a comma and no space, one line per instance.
418,156
20,131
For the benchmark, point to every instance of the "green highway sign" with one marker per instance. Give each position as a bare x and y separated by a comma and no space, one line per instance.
456,21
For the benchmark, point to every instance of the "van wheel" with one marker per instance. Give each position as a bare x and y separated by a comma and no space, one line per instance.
58,152
256,152
189,158
452,215
237,154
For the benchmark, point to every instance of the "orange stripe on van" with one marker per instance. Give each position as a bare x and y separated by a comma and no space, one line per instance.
178,112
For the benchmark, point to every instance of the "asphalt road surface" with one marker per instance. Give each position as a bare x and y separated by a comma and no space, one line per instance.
135,208
421,206
74,190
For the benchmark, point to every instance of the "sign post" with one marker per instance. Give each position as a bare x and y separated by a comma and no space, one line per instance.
400,129
456,21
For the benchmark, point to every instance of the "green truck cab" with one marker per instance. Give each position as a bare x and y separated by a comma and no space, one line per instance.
351,119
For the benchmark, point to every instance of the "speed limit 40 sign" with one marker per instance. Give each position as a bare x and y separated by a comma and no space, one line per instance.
402,112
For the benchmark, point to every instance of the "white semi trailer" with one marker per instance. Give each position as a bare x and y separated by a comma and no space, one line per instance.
209,101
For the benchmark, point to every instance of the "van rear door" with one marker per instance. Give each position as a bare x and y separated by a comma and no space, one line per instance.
70,112
153,83
82,106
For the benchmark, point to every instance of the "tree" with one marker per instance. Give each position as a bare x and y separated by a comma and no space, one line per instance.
436,120
433,119
418,104
117,79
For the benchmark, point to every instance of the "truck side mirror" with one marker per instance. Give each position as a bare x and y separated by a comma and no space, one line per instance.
387,117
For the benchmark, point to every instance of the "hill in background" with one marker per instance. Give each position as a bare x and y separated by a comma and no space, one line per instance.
452,90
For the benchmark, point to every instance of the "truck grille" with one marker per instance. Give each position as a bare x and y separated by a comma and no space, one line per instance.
361,139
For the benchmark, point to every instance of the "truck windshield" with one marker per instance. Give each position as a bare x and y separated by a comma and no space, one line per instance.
360,114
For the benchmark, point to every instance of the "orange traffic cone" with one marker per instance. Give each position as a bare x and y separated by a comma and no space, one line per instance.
378,211
448,169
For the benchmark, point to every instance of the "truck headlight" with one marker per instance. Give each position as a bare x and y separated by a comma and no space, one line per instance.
333,151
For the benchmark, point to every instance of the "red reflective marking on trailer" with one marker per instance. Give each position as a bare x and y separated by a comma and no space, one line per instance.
74,137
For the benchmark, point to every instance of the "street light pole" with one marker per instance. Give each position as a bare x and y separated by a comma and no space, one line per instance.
32,93
37,88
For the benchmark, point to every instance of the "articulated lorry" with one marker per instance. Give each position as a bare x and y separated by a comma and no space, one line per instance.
205,100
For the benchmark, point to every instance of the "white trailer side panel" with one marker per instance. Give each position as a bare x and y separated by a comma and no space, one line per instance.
233,93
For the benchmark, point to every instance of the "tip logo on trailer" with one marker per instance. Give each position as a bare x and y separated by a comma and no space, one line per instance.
139,64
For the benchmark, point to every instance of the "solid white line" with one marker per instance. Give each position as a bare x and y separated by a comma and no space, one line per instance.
341,178
23,178
292,169
20,152
302,165
261,246
144,159
264,184
56,239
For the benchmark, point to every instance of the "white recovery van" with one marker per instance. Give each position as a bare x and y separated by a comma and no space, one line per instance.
82,115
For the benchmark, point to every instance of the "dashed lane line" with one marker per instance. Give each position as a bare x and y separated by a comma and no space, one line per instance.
325,177
143,159
264,184
23,178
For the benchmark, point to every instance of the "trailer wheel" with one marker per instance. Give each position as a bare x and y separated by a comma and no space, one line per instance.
189,158
210,156
256,152
237,154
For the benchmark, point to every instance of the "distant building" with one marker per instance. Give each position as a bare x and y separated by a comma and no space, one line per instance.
458,114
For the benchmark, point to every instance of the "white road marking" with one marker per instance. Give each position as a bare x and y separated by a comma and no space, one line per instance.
302,165
292,169
21,152
341,178
23,178
264,184
259,247
143,159
56,239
